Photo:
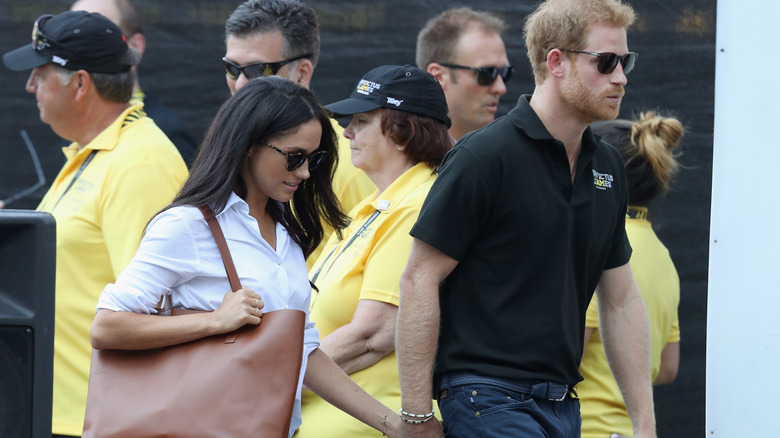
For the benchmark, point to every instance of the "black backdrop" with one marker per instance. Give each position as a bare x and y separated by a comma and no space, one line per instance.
675,73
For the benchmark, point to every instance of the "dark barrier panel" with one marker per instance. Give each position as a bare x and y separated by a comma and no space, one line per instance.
27,261
182,65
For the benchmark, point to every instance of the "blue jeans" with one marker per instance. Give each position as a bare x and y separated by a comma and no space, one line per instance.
482,410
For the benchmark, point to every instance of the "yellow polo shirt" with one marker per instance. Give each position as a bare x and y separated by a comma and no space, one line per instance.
350,184
365,265
135,172
602,407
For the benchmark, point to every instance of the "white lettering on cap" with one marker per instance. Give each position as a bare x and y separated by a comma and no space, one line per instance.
57,60
367,87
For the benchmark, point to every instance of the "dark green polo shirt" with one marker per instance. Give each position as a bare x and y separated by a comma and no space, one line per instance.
531,247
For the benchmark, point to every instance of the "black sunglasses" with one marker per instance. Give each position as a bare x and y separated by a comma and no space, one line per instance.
608,61
296,159
39,40
486,75
258,69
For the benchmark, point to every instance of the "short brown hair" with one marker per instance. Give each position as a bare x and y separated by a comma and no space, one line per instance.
565,23
436,41
425,139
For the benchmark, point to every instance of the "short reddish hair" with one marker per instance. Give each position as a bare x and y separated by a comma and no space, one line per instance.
425,139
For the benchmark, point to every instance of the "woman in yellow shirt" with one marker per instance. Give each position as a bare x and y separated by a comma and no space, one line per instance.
647,146
398,137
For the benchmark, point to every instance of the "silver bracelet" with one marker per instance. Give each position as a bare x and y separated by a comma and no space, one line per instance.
424,417
406,420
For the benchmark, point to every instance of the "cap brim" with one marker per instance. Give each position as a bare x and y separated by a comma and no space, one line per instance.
24,58
350,106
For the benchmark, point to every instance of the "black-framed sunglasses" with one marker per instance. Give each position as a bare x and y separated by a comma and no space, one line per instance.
608,60
296,159
486,75
39,40
257,69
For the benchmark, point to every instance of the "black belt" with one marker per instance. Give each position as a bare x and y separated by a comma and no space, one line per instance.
543,390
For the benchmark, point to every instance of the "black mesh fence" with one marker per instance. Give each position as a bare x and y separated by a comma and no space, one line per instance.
185,42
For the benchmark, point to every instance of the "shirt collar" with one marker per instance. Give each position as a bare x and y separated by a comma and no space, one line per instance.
525,119
235,200
109,138
398,189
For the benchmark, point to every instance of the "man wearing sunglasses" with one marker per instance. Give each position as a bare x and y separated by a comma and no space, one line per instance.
120,170
531,211
281,37
463,49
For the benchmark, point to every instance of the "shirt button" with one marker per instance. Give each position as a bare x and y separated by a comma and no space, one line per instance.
566,191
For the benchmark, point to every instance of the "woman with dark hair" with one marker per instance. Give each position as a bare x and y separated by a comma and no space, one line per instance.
265,169
647,146
398,137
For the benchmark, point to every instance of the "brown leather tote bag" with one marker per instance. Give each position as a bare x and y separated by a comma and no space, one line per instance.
238,385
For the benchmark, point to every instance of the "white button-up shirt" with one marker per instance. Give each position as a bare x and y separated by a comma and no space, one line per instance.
178,256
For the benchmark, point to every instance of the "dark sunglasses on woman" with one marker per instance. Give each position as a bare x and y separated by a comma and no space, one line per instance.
296,159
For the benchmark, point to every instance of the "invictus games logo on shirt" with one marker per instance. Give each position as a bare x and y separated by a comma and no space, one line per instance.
602,181
367,87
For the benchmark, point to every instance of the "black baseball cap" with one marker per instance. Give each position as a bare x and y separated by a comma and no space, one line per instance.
400,87
75,40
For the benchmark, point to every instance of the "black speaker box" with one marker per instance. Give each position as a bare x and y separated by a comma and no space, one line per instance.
27,262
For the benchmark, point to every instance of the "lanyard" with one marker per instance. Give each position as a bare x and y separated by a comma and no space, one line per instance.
636,212
359,232
76,176
130,118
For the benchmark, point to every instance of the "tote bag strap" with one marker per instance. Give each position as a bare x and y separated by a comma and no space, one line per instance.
227,260
224,251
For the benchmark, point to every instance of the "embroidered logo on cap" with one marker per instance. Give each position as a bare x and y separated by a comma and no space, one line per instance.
57,60
395,102
367,87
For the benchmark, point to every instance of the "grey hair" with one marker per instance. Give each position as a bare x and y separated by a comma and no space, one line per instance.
64,74
113,87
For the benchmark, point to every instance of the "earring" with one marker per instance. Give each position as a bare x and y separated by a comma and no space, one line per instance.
399,148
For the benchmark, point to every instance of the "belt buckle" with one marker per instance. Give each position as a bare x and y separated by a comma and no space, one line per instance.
563,397
547,387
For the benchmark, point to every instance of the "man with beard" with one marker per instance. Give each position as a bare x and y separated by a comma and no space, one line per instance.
524,222
463,49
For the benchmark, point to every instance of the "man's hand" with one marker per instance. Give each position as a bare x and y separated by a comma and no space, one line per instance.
430,429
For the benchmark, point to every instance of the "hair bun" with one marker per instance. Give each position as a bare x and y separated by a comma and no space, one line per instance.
667,129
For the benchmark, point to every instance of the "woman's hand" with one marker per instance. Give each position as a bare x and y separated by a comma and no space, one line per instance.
238,309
